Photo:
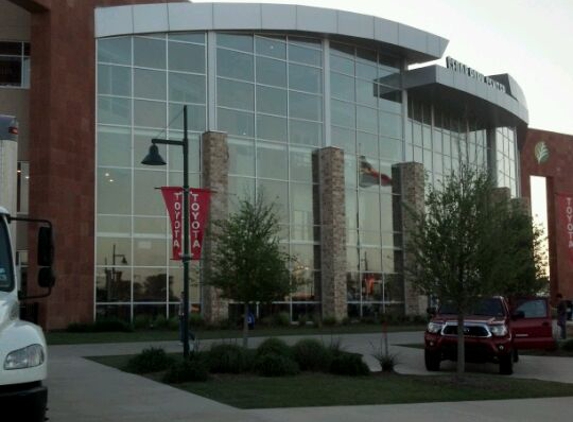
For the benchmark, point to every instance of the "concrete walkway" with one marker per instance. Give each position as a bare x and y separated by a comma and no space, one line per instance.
81,390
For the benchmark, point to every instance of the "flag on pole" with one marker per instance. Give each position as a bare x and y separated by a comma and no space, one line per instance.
370,177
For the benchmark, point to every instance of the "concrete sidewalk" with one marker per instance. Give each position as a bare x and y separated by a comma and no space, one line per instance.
81,390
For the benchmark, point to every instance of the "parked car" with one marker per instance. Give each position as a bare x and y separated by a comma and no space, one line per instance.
494,332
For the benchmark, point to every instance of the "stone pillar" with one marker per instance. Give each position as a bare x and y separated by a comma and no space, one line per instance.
332,232
408,182
215,164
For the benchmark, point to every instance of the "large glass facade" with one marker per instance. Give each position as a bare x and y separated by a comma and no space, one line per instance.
279,97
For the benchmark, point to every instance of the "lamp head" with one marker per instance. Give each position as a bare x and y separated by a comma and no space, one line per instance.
153,158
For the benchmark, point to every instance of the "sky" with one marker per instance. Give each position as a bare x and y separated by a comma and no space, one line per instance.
529,39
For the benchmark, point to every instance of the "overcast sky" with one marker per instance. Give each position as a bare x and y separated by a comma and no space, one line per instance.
529,39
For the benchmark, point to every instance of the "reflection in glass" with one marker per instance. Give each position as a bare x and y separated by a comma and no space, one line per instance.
114,146
272,128
149,114
235,65
146,199
114,111
271,161
114,50
149,84
114,80
271,72
114,191
149,52
151,284
186,57
186,88
236,122
235,94
241,157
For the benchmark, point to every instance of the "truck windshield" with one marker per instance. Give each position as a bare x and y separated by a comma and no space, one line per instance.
485,307
6,273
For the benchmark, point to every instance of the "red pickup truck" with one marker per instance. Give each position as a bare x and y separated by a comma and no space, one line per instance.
493,332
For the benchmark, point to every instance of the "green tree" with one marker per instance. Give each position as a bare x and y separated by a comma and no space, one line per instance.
249,265
471,241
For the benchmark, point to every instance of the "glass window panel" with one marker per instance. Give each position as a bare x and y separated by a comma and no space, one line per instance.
26,63
304,255
391,149
10,48
187,88
304,78
272,100
366,71
198,38
272,128
149,52
438,168
350,172
391,125
196,117
149,114
301,164
301,202
351,210
437,141
306,133
149,84
302,233
390,99
114,146
305,106
273,47
342,86
149,285
174,155
366,119
241,157
235,65
366,93
235,41
114,80
114,191
235,94
342,64
276,192
271,72
304,55
344,138
115,111
236,122
113,284
240,188
106,246
146,199
150,226
427,136
114,50
370,209
186,57
271,161
150,251
113,225
370,259
367,144
343,114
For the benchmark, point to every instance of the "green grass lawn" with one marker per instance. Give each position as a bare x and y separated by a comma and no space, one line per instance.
62,337
318,389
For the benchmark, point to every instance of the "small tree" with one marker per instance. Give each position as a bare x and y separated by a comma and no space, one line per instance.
249,266
471,241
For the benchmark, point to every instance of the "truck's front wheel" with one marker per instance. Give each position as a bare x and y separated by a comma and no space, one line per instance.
506,364
432,360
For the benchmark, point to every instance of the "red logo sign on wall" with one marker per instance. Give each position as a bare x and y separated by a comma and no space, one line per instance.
566,216
198,211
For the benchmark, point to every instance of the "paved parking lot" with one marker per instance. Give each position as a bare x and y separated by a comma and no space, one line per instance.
81,390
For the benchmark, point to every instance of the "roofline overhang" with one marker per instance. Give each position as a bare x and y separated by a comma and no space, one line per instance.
415,45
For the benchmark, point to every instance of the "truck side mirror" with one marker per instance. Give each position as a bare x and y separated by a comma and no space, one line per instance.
46,277
45,246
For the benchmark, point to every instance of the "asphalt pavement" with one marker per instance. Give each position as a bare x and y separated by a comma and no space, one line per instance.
82,390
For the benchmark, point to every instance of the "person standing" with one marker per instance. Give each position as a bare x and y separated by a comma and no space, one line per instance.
562,315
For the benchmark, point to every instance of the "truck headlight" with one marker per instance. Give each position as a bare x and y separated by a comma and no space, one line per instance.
434,327
498,330
27,357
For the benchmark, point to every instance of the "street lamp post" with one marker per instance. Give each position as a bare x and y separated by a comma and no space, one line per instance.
154,159
110,277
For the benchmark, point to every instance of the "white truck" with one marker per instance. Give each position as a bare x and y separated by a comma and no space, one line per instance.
23,351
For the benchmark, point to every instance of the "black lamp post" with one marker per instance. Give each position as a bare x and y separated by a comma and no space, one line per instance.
154,159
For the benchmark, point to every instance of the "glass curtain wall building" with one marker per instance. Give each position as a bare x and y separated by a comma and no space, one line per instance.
280,96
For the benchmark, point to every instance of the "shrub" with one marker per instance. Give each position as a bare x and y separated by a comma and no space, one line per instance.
196,320
149,360
173,323
302,320
228,358
187,371
329,321
281,319
101,325
349,364
311,355
567,345
274,365
141,322
160,321
275,346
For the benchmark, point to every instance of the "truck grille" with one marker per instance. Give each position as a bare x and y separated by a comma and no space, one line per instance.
469,330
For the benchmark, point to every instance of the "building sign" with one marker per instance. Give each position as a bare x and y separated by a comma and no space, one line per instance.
541,152
198,211
565,210
472,73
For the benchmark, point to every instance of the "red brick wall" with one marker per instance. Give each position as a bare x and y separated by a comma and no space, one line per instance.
558,169
62,148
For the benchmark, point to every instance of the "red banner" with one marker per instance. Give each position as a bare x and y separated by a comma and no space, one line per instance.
566,216
198,211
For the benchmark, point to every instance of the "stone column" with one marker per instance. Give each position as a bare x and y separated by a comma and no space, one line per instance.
332,212
215,164
408,183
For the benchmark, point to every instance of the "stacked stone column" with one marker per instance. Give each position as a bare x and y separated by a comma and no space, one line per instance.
332,212
215,162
